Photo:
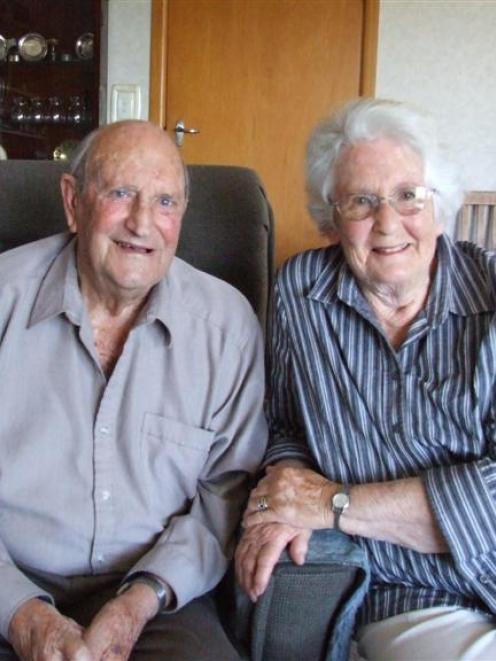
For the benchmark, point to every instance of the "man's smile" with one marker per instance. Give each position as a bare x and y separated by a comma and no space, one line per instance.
134,249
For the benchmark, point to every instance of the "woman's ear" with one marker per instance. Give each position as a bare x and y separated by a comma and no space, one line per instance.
332,236
68,187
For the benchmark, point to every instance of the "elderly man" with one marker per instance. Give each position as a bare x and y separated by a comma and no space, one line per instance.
383,410
132,388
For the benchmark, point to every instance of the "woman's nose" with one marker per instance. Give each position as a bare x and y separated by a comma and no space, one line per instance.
385,216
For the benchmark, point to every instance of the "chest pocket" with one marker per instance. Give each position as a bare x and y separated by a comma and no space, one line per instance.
173,455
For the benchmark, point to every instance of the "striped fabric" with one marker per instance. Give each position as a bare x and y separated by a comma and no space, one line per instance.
344,399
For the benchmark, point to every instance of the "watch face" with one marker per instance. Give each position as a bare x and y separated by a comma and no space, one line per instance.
340,501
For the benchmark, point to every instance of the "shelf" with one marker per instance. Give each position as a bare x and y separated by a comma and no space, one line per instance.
47,63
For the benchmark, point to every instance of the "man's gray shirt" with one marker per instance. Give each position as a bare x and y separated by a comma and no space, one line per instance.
144,471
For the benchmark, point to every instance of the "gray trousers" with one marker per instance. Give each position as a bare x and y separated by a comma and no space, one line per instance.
194,633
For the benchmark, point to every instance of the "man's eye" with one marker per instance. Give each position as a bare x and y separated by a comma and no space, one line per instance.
166,201
120,193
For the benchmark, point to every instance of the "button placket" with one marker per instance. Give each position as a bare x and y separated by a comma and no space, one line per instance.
103,460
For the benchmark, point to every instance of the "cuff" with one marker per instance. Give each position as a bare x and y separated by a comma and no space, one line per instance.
15,591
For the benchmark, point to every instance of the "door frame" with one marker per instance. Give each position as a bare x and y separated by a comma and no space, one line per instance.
158,56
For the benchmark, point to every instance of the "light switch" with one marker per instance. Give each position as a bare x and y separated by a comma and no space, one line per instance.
125,102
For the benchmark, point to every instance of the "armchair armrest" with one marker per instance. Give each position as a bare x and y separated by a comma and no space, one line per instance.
308,611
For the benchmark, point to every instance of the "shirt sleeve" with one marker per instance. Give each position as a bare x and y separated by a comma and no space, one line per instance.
16,590
286,430
463,497
192,553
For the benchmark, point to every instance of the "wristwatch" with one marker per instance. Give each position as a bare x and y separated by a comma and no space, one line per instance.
340,501
147,579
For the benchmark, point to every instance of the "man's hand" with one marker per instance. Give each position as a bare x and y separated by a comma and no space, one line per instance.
38,632
297,496
259,550
114,631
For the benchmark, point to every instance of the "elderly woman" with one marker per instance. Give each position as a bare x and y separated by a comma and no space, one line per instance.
382,403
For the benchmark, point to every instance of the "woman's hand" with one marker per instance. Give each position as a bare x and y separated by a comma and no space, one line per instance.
259,550
296,496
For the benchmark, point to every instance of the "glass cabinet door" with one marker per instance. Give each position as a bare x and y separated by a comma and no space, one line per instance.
50,58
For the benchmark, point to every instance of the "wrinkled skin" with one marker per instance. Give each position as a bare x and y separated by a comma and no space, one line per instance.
38,632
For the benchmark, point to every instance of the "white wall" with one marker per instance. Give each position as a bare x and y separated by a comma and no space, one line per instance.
441,55
128,55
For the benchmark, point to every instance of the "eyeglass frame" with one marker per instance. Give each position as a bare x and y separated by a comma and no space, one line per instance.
379,199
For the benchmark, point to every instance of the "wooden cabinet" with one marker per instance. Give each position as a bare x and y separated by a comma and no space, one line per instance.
50,58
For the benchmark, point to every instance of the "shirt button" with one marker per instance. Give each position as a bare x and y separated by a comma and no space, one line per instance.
104,430
484,579
396,428
105,494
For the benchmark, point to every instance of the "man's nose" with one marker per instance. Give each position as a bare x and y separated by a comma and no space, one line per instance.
139,219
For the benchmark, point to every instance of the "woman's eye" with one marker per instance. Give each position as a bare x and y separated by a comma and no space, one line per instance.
407,194
361,200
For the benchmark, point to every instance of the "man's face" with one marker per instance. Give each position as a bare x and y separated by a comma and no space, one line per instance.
128,217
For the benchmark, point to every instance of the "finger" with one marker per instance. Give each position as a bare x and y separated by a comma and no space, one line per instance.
267,559
74,649
298,548
256,497
244,566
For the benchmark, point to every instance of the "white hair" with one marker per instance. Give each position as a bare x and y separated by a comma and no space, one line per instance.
364,120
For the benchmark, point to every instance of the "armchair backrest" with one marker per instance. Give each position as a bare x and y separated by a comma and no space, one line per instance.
227,229
476,220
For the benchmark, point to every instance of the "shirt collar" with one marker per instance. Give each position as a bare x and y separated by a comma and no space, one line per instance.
158,308
337,282
449,291
59,293
460,283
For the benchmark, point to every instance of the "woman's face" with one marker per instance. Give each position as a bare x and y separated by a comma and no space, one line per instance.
386,250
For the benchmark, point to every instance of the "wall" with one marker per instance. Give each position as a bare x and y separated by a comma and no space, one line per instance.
441,55
128,56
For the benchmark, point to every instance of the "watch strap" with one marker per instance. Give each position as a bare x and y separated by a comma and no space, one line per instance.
162,591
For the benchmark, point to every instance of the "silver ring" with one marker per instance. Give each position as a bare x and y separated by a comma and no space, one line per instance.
262,504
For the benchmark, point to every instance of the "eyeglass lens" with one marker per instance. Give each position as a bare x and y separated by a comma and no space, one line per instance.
405,201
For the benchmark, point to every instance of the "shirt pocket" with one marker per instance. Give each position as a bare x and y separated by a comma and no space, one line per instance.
173,455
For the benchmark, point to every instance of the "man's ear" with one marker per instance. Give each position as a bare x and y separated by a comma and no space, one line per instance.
68,187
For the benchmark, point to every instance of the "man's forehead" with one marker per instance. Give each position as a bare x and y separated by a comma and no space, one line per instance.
127,164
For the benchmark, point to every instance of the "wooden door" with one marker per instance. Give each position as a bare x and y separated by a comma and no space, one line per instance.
254,76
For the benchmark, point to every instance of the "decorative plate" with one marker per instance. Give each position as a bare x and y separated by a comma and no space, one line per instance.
84,46
32,47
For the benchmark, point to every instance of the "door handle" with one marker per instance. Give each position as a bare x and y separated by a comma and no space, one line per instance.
180,130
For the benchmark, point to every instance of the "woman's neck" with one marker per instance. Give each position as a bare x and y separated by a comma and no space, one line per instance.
397,308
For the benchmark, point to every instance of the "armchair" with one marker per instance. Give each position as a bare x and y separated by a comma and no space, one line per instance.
307,612
476,220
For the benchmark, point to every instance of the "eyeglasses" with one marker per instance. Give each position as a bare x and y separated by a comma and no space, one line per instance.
407,201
